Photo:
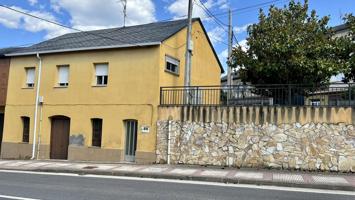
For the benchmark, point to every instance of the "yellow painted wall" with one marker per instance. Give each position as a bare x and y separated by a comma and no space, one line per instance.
135,77
205,67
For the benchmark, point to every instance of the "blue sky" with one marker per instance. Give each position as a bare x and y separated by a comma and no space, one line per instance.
18,30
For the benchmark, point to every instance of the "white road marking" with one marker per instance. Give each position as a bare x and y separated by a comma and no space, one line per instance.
15,197
261,187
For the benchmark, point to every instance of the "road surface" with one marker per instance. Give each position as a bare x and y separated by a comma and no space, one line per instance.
30,186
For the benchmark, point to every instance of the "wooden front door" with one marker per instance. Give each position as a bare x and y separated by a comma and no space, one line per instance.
60,138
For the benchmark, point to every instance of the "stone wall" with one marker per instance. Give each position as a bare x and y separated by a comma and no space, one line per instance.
291,142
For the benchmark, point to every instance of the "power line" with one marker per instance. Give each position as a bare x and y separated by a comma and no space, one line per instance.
251,7
68,27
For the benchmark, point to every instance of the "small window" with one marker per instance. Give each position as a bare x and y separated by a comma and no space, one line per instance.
96,132
101,74
172,65
63,76
315,102
25,129
30,77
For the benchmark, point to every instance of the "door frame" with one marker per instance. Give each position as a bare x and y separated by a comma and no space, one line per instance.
130,157
51,136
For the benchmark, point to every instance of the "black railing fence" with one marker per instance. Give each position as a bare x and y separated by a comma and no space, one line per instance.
276,94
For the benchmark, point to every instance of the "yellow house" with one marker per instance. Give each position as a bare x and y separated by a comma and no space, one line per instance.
98,91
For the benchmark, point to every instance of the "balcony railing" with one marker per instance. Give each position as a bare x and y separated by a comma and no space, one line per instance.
268,95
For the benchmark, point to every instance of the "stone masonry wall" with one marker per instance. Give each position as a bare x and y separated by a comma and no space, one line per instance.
328,146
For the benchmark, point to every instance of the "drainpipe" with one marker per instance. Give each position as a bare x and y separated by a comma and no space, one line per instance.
169,138
36,106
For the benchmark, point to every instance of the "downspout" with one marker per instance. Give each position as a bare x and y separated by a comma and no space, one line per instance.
169,138
36,107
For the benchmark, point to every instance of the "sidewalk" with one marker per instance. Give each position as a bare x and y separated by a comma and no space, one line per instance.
212,174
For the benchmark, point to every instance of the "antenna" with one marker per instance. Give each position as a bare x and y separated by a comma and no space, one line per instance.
124,4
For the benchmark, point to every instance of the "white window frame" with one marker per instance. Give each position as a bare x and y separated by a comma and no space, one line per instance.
30,81
101,76
173,61
64,83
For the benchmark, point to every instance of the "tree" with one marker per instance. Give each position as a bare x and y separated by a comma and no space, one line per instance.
289,46
348,44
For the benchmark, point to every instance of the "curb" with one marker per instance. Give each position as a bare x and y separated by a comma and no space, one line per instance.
191,178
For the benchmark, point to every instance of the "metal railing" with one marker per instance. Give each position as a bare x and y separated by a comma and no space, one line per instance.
269,95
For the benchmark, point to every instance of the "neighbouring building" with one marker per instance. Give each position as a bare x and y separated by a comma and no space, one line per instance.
100,91
4,74
341,30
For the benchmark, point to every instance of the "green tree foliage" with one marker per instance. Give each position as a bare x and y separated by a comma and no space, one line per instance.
348,45
289,45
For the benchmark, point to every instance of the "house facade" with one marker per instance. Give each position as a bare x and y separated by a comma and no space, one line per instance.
99,91
4,75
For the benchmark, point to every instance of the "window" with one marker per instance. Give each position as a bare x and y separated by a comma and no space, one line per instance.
30,77
63,75
172,65
96,132
26,129
101,74
315,102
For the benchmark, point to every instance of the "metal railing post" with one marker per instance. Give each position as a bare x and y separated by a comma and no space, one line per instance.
289,95
349,92
161,96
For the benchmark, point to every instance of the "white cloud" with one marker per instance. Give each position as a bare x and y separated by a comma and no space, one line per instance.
244,45
241,29
223,56
89,15
14,20
32,2
217,35
179,8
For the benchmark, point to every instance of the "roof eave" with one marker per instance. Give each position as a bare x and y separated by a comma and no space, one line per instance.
84,49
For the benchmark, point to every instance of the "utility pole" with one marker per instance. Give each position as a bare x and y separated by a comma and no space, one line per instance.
230,44
124,4
188,55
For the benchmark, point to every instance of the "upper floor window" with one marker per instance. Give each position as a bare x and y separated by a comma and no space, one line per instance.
172,64
63,75
25,129
101,74
96,132
30,77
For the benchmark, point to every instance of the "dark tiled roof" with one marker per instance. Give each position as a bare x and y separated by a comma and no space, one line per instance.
4,51
340,27
140,35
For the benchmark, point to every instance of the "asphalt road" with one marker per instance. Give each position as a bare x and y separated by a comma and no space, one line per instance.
42,186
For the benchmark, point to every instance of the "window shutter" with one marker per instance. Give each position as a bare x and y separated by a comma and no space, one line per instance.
172,61
30,75
63,72
101,70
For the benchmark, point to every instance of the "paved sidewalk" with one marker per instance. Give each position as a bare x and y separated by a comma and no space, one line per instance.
334,181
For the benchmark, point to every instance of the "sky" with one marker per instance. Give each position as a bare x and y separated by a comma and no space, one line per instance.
20,30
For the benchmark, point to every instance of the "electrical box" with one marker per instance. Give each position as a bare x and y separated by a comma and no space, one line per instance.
41,100
191,47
